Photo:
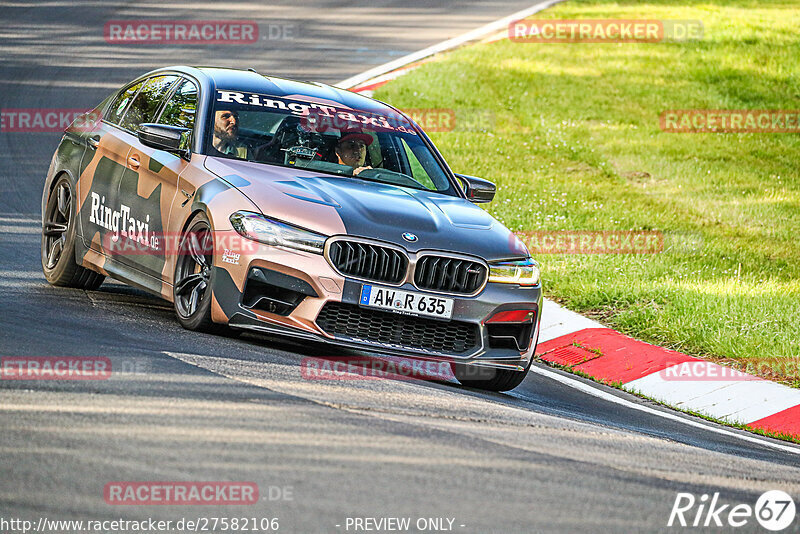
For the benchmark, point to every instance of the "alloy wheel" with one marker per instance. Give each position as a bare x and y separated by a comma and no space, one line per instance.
56,225
194,269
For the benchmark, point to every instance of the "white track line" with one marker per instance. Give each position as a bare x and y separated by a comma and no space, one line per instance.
594,391
20,220
444,45
6,229
736,401
37,275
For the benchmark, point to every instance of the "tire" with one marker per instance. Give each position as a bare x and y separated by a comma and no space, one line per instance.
58,241
489,378
194,276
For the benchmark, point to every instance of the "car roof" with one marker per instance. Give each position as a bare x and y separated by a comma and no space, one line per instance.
253,82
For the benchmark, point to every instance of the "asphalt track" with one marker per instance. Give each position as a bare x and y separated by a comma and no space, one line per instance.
189,407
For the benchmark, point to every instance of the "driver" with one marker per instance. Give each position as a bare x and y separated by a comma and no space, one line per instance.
226,135
351,149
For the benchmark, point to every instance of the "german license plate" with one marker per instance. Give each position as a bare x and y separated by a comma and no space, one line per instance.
406,302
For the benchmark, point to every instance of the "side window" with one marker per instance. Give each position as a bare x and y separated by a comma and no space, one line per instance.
181,109
374,153
145,106
116,109
417,170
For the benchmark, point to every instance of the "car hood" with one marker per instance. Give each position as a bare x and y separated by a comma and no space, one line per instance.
339,205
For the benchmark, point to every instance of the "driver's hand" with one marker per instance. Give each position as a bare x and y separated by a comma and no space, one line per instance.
359,169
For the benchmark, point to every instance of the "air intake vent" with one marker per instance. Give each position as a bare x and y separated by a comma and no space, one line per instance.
368,261
453,275
274,292
354,322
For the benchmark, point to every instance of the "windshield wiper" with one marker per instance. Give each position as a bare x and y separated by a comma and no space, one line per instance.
388,177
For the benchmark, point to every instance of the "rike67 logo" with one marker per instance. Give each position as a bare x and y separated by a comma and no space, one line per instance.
774,510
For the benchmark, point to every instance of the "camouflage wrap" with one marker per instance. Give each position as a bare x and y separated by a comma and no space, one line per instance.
132,197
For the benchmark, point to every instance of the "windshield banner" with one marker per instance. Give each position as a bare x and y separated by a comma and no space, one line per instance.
318,117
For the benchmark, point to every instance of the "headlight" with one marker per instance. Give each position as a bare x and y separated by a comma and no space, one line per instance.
523,272
268,231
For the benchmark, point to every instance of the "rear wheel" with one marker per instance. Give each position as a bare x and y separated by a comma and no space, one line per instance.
58,241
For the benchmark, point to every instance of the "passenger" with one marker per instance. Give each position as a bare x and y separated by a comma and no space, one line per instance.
351,150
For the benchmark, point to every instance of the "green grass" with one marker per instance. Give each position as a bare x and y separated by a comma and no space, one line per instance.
574,144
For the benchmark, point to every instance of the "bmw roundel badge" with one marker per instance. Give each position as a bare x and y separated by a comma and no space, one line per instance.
408,236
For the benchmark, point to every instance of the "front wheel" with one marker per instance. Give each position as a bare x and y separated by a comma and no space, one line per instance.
194,273
58,241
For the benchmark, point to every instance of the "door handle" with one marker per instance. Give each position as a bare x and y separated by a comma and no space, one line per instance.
133,162
93,142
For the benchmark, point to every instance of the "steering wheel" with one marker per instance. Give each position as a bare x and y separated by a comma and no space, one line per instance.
285,136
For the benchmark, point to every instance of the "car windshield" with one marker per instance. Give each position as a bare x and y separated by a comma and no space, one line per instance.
323,137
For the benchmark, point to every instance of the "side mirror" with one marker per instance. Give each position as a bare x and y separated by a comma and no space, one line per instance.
164,137
478,190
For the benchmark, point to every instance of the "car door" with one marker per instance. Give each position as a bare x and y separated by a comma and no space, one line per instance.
154,175
103,163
